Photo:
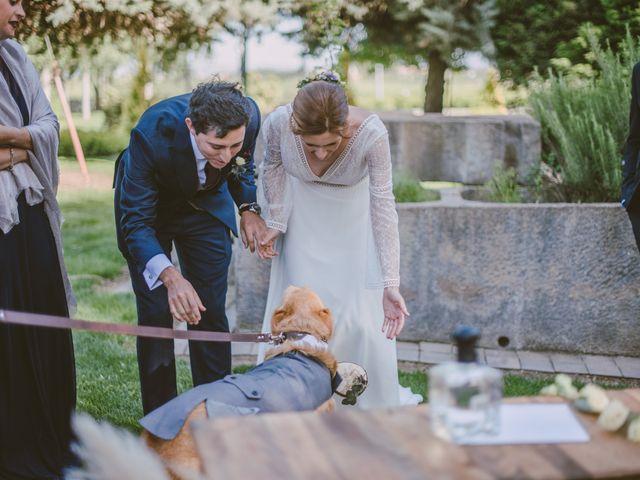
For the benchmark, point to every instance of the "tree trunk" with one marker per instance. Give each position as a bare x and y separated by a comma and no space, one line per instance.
97,86
434,91
86,91
344,61
243,59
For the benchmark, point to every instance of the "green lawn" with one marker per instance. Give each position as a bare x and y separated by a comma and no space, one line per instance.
106,364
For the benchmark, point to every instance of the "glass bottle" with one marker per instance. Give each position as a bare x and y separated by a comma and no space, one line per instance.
465,396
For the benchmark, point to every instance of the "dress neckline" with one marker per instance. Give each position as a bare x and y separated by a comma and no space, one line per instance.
336,163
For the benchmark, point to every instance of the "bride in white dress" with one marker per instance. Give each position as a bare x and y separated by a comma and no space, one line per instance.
327,198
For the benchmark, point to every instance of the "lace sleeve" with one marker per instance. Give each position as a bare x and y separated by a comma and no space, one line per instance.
276,202
384,217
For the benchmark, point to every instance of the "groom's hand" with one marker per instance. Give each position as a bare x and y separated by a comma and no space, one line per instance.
252,228
267,241
184,302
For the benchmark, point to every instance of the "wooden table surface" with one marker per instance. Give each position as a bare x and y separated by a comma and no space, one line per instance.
398,444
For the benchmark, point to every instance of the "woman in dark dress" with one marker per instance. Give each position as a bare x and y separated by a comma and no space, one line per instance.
37,373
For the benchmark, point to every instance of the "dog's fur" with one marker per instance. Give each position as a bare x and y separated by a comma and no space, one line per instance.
301,311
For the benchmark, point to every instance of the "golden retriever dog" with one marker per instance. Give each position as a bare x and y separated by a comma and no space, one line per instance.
310,325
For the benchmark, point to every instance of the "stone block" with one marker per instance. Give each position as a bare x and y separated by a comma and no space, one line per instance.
481,355
504,359
535,361
629,366
180,347
437,347
541,277
434,353
463,149
563,363
601,365
408,351
244,348
252,286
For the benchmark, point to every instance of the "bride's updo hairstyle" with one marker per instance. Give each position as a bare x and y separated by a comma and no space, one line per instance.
320,106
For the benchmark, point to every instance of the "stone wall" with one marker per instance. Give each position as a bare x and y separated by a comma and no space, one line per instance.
463,149
563,277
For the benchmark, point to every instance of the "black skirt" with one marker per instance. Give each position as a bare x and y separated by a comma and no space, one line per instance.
37,369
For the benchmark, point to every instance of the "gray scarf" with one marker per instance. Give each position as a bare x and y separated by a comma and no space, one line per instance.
39,180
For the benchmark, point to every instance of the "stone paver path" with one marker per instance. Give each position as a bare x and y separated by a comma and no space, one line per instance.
620,367
428,353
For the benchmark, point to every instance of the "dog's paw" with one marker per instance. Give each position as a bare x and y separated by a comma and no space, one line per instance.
353,382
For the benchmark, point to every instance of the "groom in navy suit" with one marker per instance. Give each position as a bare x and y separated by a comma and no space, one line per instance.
189,159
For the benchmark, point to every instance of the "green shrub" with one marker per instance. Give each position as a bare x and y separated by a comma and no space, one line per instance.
94,143
503,186
407,188
584,123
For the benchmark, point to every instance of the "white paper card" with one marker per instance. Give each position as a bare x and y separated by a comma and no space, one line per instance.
528,423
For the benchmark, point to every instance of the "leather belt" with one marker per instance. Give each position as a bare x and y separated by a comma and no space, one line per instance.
51,321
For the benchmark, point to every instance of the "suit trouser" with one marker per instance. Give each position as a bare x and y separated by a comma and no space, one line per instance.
634,216
203,244
635,224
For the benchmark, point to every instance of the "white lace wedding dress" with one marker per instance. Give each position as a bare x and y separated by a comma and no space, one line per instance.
340,239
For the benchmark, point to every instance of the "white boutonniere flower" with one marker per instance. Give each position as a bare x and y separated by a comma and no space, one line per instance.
238,167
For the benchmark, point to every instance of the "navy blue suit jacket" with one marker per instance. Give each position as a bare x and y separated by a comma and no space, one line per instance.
630,164
156,176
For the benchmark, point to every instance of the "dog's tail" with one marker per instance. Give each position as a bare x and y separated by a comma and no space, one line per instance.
108,453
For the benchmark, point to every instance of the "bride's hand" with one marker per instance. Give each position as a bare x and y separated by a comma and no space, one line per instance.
266,243
395,312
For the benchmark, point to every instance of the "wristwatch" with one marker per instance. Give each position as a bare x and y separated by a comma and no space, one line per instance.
250,207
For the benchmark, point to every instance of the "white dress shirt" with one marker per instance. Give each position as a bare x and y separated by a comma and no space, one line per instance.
158,263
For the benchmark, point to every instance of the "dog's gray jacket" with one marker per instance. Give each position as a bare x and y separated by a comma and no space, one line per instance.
288,382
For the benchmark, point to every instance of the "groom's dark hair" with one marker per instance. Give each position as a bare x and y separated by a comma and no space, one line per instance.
219,106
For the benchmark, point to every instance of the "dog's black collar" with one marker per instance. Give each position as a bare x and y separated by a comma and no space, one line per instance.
295,336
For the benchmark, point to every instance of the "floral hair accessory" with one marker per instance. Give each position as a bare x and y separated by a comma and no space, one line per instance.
324,76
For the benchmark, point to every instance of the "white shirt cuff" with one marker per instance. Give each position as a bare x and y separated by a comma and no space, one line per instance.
155,266
281,227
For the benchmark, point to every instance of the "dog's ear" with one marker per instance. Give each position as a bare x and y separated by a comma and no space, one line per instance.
279,315
324,314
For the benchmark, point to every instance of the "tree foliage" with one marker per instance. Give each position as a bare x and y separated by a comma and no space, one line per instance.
547,34
170,25
247,18
439,32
